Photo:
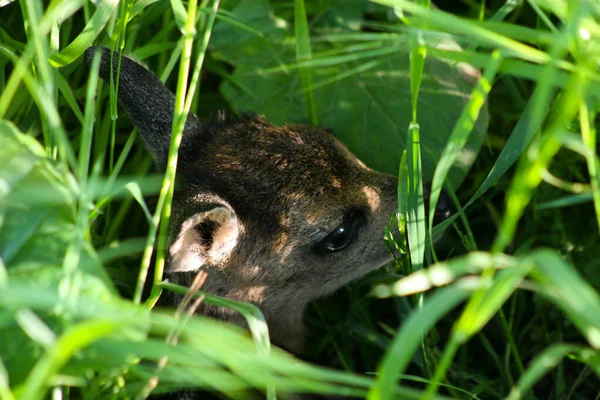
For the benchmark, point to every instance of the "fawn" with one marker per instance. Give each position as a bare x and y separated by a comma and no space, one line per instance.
275,215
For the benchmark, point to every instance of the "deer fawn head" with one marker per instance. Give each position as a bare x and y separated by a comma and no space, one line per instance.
275,215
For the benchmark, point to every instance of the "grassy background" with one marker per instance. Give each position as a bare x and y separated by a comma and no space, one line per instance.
511,308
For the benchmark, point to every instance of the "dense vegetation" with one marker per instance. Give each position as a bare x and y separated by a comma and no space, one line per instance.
497,101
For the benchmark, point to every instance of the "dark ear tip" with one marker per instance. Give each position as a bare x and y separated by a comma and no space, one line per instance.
89,54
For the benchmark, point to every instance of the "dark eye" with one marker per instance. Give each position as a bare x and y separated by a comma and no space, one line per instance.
343,235
338,239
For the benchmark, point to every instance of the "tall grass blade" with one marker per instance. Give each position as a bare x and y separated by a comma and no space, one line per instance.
444,273
252,315
447,22
415,216
588,134
547,360
303,53
74,339
182,108
407,341
85,39
566,288
460,133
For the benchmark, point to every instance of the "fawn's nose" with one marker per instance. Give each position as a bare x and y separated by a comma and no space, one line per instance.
443,208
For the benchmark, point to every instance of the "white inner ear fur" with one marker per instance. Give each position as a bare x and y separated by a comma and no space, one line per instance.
189,252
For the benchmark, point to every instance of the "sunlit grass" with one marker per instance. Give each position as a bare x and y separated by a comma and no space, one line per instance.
78,230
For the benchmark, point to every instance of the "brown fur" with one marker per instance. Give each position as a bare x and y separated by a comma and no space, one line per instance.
256,202
290,186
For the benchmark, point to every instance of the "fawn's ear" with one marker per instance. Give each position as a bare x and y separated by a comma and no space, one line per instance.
206,238
145,98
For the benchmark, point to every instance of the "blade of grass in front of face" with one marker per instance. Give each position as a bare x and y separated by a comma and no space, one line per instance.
163,204
251,313
400,353
544,362
87,36
203,340
303,52
461,132
182,108
415,216
415,212
399,220
309,375
298,375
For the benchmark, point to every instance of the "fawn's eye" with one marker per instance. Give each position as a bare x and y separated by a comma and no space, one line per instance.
338,239
343,235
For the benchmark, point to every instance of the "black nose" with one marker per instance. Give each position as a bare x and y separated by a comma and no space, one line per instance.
443,209
444,206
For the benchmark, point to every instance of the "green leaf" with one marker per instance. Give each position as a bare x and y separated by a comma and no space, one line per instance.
367,108
37,292
243,45
35,230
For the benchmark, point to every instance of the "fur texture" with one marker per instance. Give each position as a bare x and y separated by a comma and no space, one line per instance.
294,193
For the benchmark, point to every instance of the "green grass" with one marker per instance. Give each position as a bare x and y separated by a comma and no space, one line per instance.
505,306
